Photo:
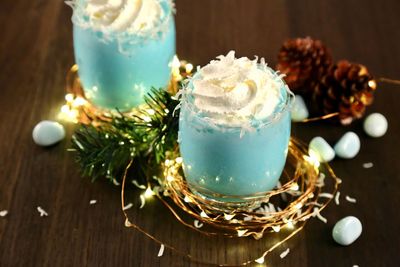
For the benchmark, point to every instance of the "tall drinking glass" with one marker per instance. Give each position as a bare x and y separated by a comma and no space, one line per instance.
231,160
118,64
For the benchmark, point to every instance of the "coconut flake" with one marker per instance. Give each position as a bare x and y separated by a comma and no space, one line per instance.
285,253
368,165
135,183
127,207
42,211
93,201
326,195
248,218
321,180
161,251
3,213
337,198
128,223
197,224
350,199
271,207
142,201
319,216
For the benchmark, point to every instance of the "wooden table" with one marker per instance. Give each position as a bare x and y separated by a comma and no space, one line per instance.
35,53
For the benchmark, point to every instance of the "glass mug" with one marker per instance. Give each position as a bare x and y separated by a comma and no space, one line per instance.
118,70
221,160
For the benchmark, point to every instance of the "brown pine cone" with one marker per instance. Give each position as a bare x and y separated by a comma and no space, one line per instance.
346,88
304,61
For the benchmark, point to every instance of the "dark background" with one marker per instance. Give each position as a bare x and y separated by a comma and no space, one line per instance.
35,54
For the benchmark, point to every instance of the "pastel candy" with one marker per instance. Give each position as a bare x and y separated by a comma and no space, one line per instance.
348,146
299,109
47,133
347,230
375,125
321,149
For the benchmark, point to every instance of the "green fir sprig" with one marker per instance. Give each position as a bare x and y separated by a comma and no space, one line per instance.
144,137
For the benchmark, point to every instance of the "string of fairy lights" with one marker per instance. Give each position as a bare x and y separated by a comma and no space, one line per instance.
304,180
287,207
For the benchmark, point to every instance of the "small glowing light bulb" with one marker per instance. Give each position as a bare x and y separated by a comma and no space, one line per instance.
290,225
69,97
229,217
294,187
241,232
65,109
188,68
148,193
276,228
204,215
79,101
260,260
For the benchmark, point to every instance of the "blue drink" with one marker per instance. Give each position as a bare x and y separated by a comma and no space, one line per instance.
118,69
221,159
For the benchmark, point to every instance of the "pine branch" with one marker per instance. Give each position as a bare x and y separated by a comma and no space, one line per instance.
104,151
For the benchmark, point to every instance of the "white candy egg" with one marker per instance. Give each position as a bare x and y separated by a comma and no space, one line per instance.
375,125
321,149
299,109
347,230
47,133
348,146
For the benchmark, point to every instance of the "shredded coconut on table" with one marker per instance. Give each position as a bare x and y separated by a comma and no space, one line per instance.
248,218
350,199
127,207
3,213
285,253
319,216
197,224
337,198
128,223
135,183
142,201
368,165
271,207
42,211
326,195
161,251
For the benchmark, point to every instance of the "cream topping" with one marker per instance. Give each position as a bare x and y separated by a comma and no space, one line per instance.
234,90
123,15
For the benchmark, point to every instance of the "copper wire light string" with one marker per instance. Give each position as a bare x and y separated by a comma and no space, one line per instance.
256,228
301,220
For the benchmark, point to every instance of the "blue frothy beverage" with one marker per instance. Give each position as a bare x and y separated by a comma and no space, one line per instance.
234,128
123,48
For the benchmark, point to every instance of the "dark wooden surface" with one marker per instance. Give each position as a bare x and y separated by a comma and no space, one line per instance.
35,53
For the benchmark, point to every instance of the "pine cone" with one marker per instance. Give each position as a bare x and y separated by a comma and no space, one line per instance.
346,88
304,61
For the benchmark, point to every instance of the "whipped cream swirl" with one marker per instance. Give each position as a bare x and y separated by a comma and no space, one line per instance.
123,15
128,21
234,91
